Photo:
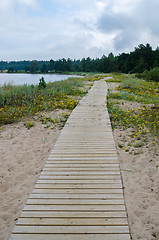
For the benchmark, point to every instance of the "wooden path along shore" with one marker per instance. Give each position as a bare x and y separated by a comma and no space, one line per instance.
79,194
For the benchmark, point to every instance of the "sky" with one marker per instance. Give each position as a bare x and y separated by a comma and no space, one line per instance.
55,29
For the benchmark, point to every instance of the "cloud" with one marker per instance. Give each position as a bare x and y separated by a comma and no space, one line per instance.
13,5
4,5
125,39
38,29
30,3
130,25
150,16
112,22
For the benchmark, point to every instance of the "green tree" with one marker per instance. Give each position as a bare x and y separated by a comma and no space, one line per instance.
52,65
27,69
123,62
103,64
112,63
10,70
140,66
145,53
44,68
33,66
83,65
155,64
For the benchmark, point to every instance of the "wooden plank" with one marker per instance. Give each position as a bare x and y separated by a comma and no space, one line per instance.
69,150
70,237
111,182
77,214
82,177
61,140
32,201
45,183
71,229
84,150
44,172
82,162
80,181
84,154
89,207
84,158
75,169
76,190
85,145
79,148
72,221
77,141
48,193
80,165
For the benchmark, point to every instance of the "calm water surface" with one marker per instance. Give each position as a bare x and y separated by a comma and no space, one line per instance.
29,79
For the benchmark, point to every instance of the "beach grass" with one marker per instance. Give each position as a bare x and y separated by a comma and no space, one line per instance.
132,90
17,102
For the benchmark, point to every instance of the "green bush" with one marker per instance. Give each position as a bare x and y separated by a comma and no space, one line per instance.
42,83
141,75
153,74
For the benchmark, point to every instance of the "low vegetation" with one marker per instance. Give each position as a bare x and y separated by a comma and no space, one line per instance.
152,75
134,105
17,102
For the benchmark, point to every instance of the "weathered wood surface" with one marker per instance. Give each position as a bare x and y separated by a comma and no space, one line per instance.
79,194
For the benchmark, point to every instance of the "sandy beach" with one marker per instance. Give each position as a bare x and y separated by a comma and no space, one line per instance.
23,153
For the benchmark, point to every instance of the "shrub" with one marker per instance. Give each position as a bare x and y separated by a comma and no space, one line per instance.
141,75
42,83
153,75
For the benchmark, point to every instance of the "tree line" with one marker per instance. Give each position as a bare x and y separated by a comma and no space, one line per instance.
142,58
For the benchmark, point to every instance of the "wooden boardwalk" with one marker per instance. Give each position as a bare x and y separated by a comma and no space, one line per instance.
79,194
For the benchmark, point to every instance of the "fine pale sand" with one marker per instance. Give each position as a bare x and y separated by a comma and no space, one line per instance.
140,175
23,154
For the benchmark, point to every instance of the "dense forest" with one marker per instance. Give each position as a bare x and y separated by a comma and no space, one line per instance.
142,58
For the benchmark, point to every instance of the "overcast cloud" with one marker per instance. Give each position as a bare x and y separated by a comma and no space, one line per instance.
45,29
